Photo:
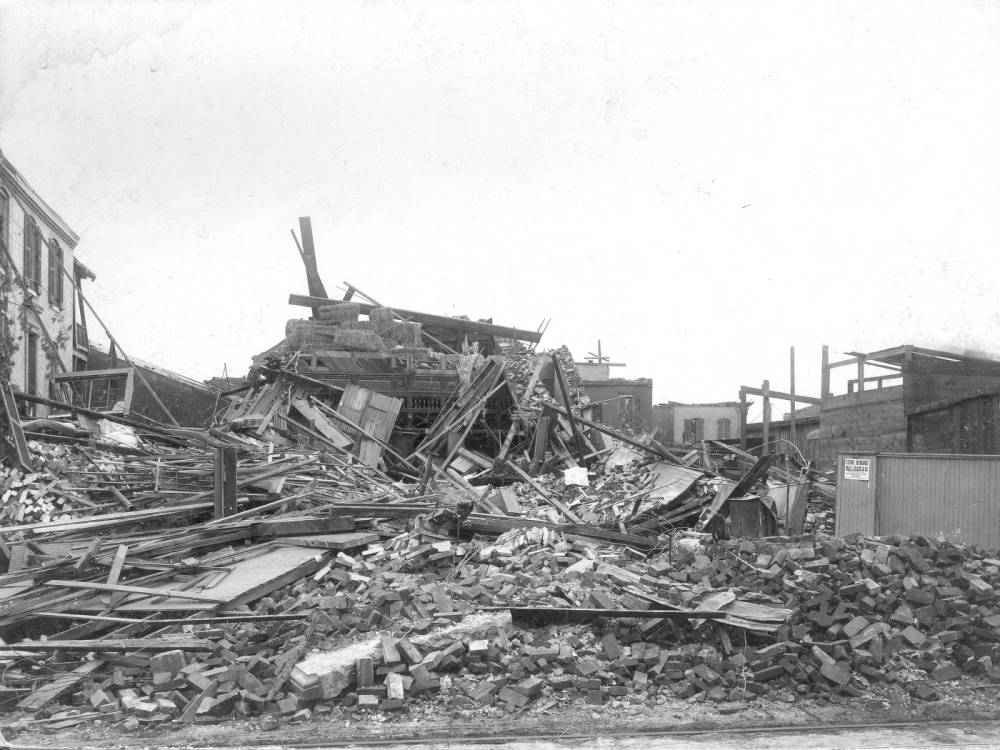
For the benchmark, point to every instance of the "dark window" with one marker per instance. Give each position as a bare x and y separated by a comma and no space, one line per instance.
694,430
723,428
4,335
100,392
29,259
4,219
36,251
55,273
32,253
31,365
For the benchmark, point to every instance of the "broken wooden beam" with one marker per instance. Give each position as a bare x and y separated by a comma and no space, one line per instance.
141,590
98,645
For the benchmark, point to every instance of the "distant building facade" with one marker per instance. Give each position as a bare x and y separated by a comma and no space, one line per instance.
621,403
41,334
687,424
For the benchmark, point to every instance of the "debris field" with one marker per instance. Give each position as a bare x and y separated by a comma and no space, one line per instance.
326,550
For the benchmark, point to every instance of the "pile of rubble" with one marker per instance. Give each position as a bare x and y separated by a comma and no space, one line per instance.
496,551
411,611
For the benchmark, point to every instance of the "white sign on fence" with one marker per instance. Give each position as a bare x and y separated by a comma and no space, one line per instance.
857,468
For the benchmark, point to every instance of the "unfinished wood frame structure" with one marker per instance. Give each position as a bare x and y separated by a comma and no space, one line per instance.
766,394
873,415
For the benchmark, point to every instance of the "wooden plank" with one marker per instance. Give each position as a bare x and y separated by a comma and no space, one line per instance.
765,392
581,453
189,714
274,404
375,414
118,644
287,575
59,686
283,527
384,510
18,558
791,388
141,590
85,559
541,444
117,563
783,396
350,540
358,430
352,403
259,573
225,481
308,253
824,382
477,458
321,423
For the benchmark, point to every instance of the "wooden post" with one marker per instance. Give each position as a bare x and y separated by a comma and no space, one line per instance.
426,475
824,384
225,482
308,251
743,419
861,374
569,412
541,444
791,392
766,390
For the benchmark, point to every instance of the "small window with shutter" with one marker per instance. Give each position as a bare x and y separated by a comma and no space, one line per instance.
55,273
28,269
5,219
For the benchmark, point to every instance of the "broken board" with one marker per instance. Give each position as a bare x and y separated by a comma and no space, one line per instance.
247,580
350,540
375,413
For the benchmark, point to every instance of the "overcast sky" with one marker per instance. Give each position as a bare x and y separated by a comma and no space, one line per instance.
698,184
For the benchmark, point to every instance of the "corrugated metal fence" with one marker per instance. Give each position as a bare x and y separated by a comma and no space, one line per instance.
956,496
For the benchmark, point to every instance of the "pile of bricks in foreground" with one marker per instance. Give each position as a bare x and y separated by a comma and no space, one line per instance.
402,626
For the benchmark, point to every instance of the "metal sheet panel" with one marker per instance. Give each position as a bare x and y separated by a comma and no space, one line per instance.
955,496
672,481
855,499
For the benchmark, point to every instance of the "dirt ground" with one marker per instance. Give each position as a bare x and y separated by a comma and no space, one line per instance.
436,724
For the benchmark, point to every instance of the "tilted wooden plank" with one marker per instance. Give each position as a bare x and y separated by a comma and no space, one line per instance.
321,423
118,644
334,541
281,527
59,686
142,590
